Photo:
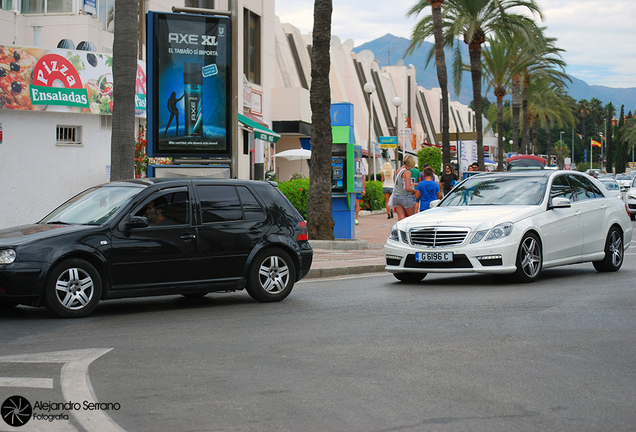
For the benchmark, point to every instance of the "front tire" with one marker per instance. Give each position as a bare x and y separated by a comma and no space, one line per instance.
73,289
271,276
410,277
614,252
529,259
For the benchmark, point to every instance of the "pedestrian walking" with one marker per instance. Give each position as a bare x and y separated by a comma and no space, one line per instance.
403,197
446,179
388,182
427,190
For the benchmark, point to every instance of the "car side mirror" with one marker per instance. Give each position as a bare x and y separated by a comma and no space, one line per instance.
137,222
434,204
560,202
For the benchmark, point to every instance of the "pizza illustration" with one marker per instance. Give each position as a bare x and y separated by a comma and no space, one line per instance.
16,69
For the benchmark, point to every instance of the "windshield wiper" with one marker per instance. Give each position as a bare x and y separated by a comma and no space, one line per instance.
57,223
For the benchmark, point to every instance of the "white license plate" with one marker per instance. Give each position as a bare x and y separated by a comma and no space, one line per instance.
434,256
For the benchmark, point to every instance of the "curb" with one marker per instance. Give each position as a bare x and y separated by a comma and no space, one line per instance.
341,244
344,271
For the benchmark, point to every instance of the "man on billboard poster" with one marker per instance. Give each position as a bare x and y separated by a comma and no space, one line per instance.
189,56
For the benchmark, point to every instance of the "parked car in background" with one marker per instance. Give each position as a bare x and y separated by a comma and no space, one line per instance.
512,223
624,181
156,237
630,199
612,186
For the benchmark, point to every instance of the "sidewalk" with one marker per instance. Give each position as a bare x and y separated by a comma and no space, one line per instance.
364,254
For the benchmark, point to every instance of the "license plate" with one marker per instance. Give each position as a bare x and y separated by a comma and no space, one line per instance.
434,256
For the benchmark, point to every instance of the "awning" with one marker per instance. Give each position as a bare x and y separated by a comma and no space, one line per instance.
260,131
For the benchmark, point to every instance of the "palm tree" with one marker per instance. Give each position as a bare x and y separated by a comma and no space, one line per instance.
499,66
319,218
125,48
540,59
473,20
596,109
421,31
583,107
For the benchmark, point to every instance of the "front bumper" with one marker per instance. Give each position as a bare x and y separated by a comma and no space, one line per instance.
21,283
495,257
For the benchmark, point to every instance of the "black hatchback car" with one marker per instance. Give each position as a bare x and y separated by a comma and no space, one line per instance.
156,237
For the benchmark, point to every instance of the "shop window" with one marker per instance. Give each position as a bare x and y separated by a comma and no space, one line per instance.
46,6
252,46
68,135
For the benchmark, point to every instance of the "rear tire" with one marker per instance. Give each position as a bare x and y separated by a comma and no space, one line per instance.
410,277
271,276
529,259
614,252
73,289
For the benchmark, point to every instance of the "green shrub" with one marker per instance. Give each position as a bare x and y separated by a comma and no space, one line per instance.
297,192
374,198
431,156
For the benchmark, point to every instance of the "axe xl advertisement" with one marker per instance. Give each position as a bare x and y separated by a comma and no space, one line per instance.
189,85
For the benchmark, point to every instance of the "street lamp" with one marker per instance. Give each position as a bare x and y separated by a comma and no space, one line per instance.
397,101
369,88
602,148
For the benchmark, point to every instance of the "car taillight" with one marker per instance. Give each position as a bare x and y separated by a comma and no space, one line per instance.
627,209
303,234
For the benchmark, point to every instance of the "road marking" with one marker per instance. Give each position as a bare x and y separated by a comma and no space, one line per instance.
75,383
26,382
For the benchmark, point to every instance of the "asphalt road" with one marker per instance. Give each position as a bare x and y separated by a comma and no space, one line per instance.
366,353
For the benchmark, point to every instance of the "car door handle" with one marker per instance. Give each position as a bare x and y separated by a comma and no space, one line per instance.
188,237
577,213
255,231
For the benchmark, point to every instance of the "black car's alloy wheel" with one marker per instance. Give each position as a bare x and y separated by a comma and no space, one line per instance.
614,252
529,259
73,289
272,276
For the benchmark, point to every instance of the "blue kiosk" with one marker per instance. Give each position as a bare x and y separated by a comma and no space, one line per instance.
346,168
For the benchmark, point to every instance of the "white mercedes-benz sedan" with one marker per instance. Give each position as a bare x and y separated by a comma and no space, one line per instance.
515,223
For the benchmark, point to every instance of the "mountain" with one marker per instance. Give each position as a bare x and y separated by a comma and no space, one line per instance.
389,49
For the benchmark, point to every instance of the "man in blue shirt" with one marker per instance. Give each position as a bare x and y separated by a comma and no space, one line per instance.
427,190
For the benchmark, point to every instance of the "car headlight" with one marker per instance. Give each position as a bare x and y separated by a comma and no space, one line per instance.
394,234
500,231
479,235
7,256
632,196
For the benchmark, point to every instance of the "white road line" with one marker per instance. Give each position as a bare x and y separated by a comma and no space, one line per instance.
26,382
75,383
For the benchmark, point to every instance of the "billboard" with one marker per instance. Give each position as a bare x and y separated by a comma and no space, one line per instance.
189,85
60,80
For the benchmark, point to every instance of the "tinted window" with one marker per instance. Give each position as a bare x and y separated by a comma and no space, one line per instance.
584,188
561,188
172,208
497,190
251,208
219,203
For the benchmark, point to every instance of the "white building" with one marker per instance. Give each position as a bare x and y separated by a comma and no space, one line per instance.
48,154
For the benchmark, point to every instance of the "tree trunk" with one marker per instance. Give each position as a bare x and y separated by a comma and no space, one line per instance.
525,128
442,77
125,48
474,50
548,139
500,129
319,218
535,134
516,108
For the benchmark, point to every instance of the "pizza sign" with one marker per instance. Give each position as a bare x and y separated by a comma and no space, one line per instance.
56,81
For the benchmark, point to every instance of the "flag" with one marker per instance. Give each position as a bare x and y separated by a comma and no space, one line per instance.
596,143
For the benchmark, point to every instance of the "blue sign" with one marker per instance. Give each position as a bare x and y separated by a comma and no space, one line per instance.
388,140
90,7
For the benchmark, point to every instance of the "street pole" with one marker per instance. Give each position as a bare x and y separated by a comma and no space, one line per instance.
572,148
397,101
562,143
370,88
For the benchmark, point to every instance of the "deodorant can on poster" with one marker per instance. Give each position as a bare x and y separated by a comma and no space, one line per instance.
193,84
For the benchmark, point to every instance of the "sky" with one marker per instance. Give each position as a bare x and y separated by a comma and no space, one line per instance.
599,38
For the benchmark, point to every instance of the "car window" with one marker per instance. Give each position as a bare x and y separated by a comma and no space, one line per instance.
610,185
584,188
561,188
252,210
162,209
497,190
219,203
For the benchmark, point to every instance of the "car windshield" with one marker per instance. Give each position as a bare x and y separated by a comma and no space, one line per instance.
623,177
93,206
497,190
610,185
